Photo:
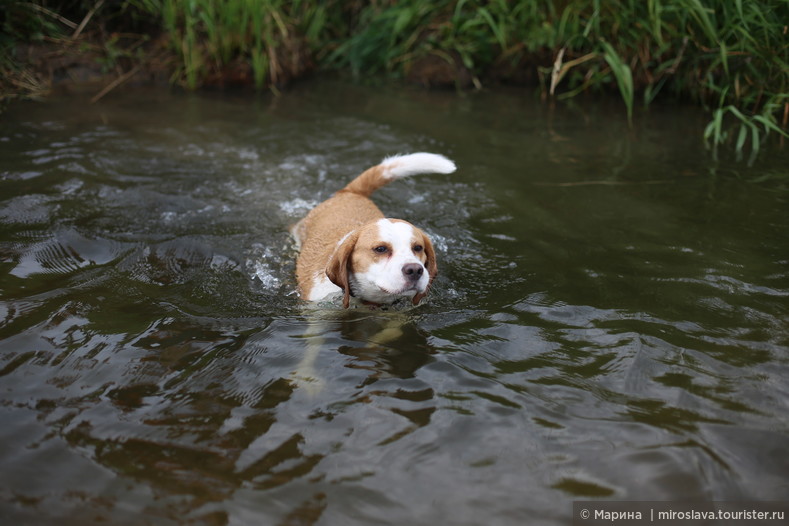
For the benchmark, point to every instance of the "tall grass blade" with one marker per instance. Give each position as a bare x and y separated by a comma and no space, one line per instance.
623,75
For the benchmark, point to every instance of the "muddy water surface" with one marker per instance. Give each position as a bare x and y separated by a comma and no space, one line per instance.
611,319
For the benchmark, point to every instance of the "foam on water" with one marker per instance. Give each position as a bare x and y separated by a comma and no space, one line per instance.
297,207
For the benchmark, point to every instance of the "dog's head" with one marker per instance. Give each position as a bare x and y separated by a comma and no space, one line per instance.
383,261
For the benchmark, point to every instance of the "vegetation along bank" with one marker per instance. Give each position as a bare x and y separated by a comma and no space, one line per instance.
730,56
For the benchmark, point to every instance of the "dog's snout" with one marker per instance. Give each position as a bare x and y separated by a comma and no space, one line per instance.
413,271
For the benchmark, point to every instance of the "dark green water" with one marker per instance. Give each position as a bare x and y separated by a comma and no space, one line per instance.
611,318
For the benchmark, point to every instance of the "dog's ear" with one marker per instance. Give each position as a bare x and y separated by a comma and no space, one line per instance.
339,267
430,265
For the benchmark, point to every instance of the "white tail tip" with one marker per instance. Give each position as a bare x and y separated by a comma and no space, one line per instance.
416,163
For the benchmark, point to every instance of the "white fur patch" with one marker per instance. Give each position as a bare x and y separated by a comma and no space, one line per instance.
416,163
322,287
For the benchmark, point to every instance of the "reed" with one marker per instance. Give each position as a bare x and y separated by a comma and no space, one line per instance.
731,56
262,41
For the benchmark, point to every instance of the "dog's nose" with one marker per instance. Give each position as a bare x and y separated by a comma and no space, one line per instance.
413,271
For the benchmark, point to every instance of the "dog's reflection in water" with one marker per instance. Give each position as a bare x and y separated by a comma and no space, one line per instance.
387,338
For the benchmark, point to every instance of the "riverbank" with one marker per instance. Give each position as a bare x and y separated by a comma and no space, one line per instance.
730,57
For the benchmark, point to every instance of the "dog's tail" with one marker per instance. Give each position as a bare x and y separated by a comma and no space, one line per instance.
396,167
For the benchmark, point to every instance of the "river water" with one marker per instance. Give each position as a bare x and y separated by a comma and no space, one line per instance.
610,321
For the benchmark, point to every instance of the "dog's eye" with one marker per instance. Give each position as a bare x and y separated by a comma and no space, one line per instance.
381,249
417,248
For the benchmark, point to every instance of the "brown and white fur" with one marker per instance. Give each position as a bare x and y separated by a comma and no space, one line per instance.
347,245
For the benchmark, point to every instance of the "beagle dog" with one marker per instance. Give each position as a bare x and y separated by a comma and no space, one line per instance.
347,245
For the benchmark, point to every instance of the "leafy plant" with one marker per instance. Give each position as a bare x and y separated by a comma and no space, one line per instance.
731,56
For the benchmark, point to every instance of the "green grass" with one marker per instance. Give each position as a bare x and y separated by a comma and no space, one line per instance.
268,41
730,56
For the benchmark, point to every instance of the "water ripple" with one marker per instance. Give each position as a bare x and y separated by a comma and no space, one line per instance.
65,252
